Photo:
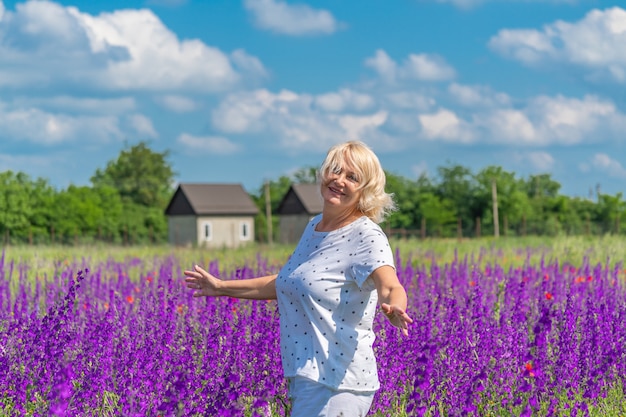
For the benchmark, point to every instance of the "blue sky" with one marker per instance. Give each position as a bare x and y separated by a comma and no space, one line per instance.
244,91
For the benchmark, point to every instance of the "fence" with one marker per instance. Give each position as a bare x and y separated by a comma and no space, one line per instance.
477,229
53,237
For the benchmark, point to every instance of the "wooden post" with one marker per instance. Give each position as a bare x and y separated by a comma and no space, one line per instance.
477,226
494,201
423,228
268,214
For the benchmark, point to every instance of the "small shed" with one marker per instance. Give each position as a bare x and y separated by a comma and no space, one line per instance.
299,205
211,215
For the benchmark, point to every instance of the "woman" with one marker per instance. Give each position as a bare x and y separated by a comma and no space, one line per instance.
328,290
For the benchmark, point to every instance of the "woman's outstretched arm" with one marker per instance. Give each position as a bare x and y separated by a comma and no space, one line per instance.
392,297
206,285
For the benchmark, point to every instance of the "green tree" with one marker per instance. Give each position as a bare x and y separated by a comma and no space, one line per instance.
610,211
406,196
437,211
457,184
277,190
513,202
15,204
43,202
306,175
140,175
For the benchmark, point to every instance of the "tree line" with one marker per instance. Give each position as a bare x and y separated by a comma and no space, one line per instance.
123,204
126,200
458,202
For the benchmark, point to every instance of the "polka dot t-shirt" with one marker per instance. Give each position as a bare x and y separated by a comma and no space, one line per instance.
327,301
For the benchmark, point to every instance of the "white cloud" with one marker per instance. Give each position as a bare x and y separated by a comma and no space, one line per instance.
359,127
343,100
552,120
246,111
248,64
123,50
383,65
170,3
537,160
36,126
509,126
463,3
207,144
541,161
569,121
472,96
421,67
142,125
110,106
409,100
296,121
178,104
426,67
608,165
466,4
298,19
594,43
1,10
445,124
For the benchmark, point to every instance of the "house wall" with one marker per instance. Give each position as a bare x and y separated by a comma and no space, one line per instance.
292,226
225,231
182,230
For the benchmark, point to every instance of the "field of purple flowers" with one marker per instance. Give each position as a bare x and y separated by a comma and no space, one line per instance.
126,338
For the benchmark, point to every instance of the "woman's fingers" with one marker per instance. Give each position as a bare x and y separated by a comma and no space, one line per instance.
397,317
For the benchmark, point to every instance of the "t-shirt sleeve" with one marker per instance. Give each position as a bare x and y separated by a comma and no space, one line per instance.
373,252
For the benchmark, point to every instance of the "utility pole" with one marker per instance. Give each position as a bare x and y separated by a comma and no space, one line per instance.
268,213
494,200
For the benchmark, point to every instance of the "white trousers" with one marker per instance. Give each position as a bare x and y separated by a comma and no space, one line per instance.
312,399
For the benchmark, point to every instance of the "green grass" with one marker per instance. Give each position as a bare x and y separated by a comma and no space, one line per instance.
505,251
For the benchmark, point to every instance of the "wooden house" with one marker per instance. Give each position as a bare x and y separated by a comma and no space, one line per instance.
211,215
301,203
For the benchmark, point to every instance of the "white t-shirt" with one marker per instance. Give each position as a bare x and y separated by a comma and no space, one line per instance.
327,303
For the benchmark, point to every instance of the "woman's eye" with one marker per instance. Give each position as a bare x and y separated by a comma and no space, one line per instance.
337,171
353,178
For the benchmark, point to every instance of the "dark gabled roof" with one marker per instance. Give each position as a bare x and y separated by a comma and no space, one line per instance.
302,198
211,199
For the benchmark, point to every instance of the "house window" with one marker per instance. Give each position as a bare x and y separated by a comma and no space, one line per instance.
245,231
206,231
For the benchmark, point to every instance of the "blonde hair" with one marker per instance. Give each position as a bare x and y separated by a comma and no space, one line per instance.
374,203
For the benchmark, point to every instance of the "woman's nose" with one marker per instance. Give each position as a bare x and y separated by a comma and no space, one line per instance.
340,178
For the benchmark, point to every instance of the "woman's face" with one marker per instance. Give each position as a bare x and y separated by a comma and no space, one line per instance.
341,187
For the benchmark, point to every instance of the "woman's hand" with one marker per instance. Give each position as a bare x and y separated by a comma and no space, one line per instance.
397,317
392,297
204,284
